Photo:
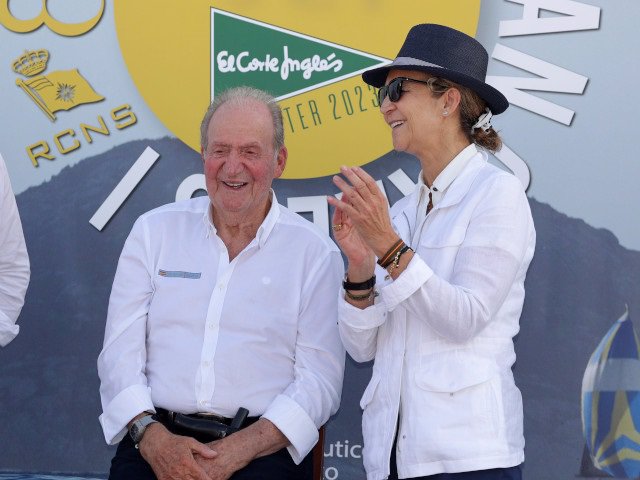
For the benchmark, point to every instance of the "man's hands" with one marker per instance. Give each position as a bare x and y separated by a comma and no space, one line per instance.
236,451
174,457
230,458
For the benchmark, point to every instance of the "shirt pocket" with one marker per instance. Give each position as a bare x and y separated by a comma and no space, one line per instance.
442,238
179,294
179,274
460,395
439,247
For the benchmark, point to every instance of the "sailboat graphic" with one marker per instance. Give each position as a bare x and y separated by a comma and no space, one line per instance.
611,401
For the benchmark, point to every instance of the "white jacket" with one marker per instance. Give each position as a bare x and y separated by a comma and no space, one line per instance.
441,333
14,261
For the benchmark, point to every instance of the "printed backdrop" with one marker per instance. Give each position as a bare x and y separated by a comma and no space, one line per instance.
101,103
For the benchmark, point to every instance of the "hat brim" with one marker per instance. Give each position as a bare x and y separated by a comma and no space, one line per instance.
496,101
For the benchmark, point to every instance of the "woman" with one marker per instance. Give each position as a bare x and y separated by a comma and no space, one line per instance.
439,313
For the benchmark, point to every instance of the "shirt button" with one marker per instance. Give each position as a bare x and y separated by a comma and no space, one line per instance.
212,326
203,402
206,364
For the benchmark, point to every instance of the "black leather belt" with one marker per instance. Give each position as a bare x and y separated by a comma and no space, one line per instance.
204,427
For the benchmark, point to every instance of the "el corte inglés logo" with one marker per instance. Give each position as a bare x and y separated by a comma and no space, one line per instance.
280,61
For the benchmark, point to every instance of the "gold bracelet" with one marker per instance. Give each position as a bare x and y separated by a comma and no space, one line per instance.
396,259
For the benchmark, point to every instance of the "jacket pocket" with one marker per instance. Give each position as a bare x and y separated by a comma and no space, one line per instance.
453,371
460,395
440,238
439,248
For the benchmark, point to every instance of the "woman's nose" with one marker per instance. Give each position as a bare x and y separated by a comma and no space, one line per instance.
386,105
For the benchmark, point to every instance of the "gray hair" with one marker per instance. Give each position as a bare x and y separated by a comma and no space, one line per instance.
239,95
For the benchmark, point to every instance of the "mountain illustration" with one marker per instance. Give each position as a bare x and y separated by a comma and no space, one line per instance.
577,286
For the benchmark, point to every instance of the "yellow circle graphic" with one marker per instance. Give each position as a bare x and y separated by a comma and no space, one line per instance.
168,51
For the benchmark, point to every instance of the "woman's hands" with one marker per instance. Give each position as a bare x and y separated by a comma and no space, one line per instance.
363,214
361,258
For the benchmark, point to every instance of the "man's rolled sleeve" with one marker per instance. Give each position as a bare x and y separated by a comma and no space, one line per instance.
121,364
126,405
314,394
295,424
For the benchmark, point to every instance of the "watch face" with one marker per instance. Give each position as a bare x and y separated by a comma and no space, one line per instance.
139,426
135,432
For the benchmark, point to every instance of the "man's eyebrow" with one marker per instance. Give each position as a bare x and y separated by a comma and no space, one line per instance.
245,145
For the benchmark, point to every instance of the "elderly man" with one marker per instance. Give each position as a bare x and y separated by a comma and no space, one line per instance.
14,261
218,304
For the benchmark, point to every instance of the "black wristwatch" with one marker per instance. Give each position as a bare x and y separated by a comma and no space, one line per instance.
137,428
366,285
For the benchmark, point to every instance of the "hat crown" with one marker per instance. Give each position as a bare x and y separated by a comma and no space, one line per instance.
447,53
446,48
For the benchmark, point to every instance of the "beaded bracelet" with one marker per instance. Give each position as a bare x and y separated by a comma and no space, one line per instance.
396,259
367,296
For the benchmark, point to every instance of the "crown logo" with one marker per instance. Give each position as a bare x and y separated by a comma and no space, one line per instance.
31,63
55,91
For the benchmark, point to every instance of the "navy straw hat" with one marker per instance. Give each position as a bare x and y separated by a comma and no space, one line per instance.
445,53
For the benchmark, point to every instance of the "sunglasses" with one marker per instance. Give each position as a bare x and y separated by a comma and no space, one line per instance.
394,88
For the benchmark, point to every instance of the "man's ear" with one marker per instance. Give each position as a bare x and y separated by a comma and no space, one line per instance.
281,161
202,153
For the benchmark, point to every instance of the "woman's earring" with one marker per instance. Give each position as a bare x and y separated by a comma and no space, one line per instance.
445,113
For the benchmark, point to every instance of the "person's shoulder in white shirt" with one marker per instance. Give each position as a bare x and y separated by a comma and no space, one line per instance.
14,261
311,231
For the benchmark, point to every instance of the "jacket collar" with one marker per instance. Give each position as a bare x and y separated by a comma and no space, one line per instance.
454,181
462,183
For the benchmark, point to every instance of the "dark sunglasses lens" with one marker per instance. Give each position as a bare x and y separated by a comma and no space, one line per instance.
382,92
395,89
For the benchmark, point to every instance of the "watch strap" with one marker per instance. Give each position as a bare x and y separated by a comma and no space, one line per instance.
366,285
138,427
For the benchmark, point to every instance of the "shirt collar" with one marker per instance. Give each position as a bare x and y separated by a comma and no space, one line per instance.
265,228
448,175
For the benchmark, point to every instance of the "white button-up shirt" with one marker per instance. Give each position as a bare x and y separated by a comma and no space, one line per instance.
14,261
441,333
189,331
